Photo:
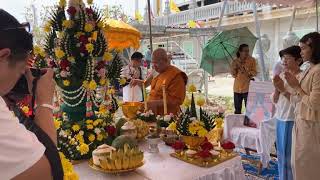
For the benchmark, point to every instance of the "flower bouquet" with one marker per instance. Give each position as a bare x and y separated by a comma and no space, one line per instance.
147,116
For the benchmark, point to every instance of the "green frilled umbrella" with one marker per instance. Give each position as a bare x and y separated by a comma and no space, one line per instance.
223,47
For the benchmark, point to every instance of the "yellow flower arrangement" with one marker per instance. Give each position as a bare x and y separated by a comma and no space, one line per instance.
67,24
122,81
79,137
91,137
99,137
71,59
88,27
25,109
75,127
89,121
39,51
102,109
66,82
107,56
57,123
83,148
62,3
100,24
69,173
111,91
172,126
59,53
202,132
96,123
89,47
201,101
89,2
196,128
89,126
92,85
47,27
102,81
192,88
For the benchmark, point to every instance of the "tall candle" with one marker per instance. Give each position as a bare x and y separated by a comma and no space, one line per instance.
164,96
144,96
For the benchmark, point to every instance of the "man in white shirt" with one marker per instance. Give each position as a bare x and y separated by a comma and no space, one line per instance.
21,153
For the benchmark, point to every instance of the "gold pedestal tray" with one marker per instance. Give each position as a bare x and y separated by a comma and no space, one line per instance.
201,163
98,168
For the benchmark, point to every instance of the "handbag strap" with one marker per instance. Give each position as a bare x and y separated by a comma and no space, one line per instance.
51,151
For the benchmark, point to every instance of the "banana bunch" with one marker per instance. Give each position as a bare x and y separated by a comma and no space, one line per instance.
122,159
142,128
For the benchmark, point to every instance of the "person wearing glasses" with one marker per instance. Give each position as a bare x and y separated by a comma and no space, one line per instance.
243,69
22,155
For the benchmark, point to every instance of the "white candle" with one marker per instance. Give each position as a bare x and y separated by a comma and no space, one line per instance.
164,96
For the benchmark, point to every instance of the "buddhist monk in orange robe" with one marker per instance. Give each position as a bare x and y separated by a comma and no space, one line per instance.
175,84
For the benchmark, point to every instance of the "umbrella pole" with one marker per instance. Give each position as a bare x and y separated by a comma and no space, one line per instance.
150,30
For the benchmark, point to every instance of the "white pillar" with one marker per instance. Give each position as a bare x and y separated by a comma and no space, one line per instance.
223,9
136,5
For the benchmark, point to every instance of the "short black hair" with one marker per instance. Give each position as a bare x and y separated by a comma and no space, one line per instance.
14,36
294,51
241,48
313,41
137,56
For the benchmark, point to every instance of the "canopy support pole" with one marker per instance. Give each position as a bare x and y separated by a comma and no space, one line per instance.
150,30
317,15
263,68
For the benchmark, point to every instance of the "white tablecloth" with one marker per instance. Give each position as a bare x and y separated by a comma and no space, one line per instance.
162,166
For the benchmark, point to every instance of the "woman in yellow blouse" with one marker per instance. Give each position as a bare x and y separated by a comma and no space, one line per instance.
306,136
243,69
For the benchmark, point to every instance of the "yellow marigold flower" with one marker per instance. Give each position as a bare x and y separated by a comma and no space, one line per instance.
172,126
186,102
42,53
89,126
75,127
66,82
102,109
57,124
202,132
192,130
102,81
85,84
96,123
47,27
62,3
107,56
89,121
79,137
71,176
99,137
72,141
192,88
89,47
219,122
91,137
71,59
111,91
83,149
67,24
100,24
201,101
59,53
89,2
88,27
36,49
92,85
122,81
25,109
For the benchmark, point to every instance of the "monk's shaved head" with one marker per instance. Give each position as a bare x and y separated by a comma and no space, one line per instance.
160,60
160,55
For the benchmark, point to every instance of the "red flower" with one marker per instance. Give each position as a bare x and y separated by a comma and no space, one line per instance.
83,39
204,154
89,11
52,64
100,65
64,64
206,145
83,49
228,145
178,145
111,130
72,10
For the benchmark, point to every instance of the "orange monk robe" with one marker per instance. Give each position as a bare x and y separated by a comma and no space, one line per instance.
175,83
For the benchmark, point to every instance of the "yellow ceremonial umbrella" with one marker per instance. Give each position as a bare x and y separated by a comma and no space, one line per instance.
121,35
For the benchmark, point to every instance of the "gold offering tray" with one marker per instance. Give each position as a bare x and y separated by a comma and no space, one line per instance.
202,163
98,168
